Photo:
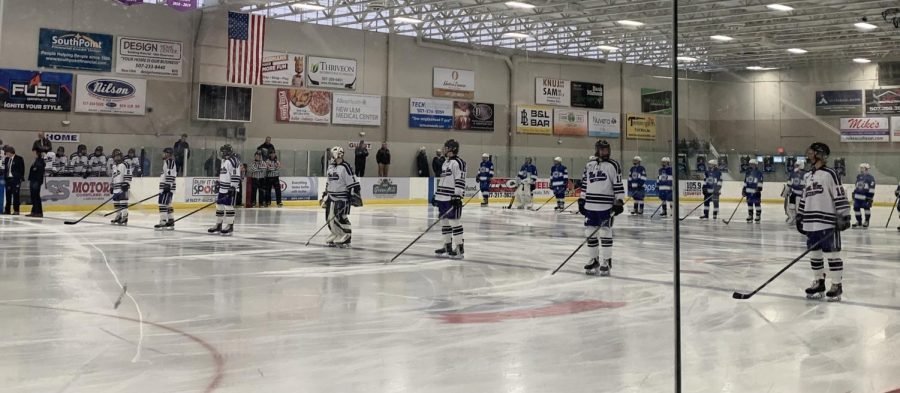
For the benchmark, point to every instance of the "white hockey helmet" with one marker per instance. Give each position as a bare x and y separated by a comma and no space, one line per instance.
666,159
798,164
637,158
713,162
557,159
864,167
754,162
337,151
485,155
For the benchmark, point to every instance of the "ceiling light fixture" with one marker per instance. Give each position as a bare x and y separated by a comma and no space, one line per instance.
797,51
406,20
519,4
607,48
780,7
297,7
686,59
865,26
518,36
758,68
860,60
721,38
632,23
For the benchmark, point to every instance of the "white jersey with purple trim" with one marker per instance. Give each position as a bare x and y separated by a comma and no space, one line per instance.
823,200
452,181
119,177
341,181
229,175
601,185
169,172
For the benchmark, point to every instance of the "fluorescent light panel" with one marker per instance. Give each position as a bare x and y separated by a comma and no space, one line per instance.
758,68
633,23
607,48
686,59
860,60
865,26
516,35
519,4
307,7
780,7
721,38
407,20
797,51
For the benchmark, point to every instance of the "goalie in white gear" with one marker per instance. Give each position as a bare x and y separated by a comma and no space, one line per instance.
602,198
341,192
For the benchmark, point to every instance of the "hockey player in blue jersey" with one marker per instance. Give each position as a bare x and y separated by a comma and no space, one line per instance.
664,185
559,182
863,196
824,213
753,183
485,174
602,198
712,189
637,176
528,176
795,189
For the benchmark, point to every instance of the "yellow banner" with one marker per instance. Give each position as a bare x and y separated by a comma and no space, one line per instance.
639,126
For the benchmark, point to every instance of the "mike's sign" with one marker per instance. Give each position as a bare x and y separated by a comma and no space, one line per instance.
865,129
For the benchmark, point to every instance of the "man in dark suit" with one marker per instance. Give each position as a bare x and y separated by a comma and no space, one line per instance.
15,172
36,180
42,144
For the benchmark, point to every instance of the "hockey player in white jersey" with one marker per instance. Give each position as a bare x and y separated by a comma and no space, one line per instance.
795,190
341,192
120,186
228,183
602,198
863,196
448,199
824,212
79,162
167,191
60,163
98,163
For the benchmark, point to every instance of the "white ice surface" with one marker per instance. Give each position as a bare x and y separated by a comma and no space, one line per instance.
259,312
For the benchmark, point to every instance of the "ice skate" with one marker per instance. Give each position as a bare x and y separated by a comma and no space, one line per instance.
123,221
592,268
170,225
227,230
704,217
115,221
758,219
216,229
749,219
484,203
344,243
816,290
444,250
866,225
633,212
160,226
606,267
834,294
856,225
457,253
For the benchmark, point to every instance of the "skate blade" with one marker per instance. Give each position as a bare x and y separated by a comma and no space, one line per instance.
834,299
592,272
815,296
605,274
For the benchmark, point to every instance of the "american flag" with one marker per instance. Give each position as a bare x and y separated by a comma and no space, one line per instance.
246,34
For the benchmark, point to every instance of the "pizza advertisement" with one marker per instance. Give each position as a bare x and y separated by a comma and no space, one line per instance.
303,106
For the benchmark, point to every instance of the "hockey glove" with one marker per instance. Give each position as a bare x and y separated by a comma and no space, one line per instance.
356,200
581,209
843,223
232,191
618,207
456,202
433,202
126,187
868,203
531,187
324,201
799,221
167,188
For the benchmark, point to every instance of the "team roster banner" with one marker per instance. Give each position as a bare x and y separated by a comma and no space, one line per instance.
356,109
453,83
604,124
384,188
299,188
656,101
35,90
331,73
865,129
143,56
532,119
570,122
587,95
839,103
883,101
303,106
641,127
74,191
552,92
120,96
75,50
428,113
473,116
283,69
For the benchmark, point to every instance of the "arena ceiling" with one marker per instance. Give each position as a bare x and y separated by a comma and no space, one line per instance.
759,35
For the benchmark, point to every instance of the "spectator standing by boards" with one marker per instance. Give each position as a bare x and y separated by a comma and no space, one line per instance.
437,162
362,153
383,158
181,150
267,146
422,163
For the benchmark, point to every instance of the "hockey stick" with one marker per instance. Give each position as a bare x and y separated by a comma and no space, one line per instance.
195,211
570,205
657,208
428,229
583,242
131,205
698,206
92,212
735,211
545,203
891,214
513,199
744,296
320,230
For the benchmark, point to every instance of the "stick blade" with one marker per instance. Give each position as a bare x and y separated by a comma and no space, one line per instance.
741,296
70,222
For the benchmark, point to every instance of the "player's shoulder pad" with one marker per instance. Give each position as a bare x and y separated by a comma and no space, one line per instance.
833,174
347,167
615,164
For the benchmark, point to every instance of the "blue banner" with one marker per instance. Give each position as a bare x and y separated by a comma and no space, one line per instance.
430,121
35,90
839,103
75,50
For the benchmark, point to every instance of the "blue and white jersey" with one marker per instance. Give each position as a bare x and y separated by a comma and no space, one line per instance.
713,182
664,181
169,171
796,183
865,187
229,175
528,174
452,181
601,185
637,177
341,181
559,176
823,200
753,182
485,171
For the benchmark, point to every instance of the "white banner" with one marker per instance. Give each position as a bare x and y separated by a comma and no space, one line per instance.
283,69
299,188
331,73
201,189
604,124
63,137
453,83
120,96
356,109
143,56
384,188
895,129
865,129
428,113
552,92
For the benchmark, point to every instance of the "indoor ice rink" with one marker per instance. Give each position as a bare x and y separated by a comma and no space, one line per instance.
449,196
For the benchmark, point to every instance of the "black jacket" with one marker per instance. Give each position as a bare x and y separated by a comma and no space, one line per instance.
383,156
18,170
268,147
42,145
36,174
422,164
437,164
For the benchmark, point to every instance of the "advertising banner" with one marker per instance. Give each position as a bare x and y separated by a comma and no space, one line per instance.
63,137
640,126
74,191
143,56
656,101
428,113
552,92
691,188
453,83
356,109
895,129
650,189
202,189
75,50
384,188
587,95
303,106
473,116
182,5
283,69
570,122
604,124
532,119
299,188
331,73
865,129
35,90
883,101
839,103
119,96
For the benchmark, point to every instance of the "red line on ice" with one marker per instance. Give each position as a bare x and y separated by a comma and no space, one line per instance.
565,308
